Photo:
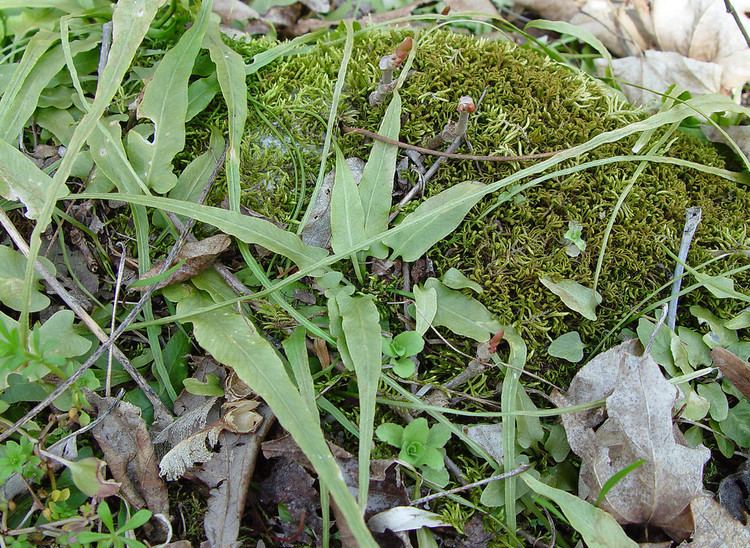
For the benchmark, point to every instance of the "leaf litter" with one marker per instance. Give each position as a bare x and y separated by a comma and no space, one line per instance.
635,423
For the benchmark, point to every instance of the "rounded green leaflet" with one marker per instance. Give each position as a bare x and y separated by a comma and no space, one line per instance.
568,347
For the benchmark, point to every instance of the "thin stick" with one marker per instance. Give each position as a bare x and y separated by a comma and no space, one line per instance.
692,220
451,155
468,486
64,385
737,19
74,305
113,319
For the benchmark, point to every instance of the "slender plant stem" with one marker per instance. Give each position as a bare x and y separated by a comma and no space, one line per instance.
521,469
737,19
692,219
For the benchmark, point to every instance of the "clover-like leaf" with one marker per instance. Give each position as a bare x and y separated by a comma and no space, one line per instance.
390,433
411,342
404,367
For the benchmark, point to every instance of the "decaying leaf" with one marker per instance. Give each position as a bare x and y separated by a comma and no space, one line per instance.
234,11
733,368
489,437
127,447
475,6
194,257
404,518
739,134
734,493
706,50
195,449
228,475
636,423
714,527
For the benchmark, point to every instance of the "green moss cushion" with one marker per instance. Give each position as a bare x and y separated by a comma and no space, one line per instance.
531,104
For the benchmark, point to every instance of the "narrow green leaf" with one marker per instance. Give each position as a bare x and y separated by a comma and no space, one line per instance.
577,297
376,186
21,179
361,325
195,176
296,353
200,94
576,31
425,307
462,314
230,71
508,403
568,347
597,527
165,102
35,49
455,279
347,226
430,227
108,152
248,229
233,341
616,478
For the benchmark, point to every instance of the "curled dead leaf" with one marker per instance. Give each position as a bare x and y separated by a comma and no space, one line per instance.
733,368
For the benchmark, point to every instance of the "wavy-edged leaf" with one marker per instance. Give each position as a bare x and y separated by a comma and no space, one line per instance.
347,223
597,527
21,179
165,101
429,227
12,268
230,72
250,230
361,326
455,279
376,186
462,314
233,340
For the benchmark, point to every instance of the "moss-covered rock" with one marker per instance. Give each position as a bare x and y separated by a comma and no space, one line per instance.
531,104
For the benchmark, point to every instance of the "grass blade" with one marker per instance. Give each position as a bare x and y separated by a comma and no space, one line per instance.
361,325
165,101
233,340
248,229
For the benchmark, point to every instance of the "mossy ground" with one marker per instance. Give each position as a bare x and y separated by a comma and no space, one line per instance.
531,105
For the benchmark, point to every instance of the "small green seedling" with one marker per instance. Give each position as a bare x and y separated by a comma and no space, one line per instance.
18,458
574,240
117,536
401,350
421,446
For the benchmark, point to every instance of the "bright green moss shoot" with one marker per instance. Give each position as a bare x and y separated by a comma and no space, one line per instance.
531,105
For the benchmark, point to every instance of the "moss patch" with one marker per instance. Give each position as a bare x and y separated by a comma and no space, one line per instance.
531,105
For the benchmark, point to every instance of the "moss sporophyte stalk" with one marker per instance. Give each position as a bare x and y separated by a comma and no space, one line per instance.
530,105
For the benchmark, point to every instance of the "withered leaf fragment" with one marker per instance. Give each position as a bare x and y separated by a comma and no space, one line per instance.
733,368
636,423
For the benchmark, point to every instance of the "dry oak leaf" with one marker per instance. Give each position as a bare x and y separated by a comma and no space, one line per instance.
714,527
636,423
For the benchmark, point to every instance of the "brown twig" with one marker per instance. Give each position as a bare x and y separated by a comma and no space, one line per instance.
450,155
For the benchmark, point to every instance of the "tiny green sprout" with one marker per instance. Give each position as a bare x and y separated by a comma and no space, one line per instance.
401,350
573,238
421,446
118,537
19,458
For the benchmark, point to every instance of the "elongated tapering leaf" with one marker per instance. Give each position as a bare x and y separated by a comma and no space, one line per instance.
376,186
194,177
426,305
165,102
347,226
20,179
233,340
248,229
230,71
431,228
296,353
597,527
361,325
461,314
108,152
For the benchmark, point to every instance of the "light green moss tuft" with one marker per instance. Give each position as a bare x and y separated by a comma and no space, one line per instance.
531,105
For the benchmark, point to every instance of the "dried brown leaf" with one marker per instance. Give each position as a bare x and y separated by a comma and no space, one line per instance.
484,7
733,368
233,11
228,475
714,527
635,424
197,257
127,447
